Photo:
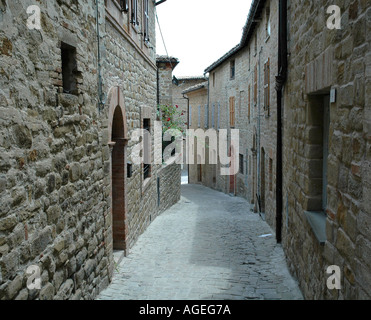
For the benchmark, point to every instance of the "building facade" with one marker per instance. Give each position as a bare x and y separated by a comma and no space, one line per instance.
73,92
242,97
326,154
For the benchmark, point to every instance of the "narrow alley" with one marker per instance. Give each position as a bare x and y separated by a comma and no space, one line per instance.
209,246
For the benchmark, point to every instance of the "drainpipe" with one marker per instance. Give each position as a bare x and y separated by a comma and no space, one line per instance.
101,97
184,97
280,80
259,134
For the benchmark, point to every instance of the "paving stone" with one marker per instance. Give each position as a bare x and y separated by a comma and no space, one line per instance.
204,250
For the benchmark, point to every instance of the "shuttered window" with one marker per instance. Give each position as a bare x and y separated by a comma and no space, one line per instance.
218,115
232,111
213,115
190,116
249,103
256,84
266,87
134,12
146,20
206,116
124,5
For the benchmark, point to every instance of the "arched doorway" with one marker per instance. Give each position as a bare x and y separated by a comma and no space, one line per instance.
118,182
262,183
118,139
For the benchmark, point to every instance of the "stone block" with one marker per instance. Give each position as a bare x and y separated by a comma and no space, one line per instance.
40,241
47,292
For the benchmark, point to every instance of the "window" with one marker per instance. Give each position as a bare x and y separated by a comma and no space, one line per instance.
256,44
218,115
232,112
199,116
249,103
270,174
69,69
134,12
249,59
206,119
266,87
268,22
214,79
213,115
124,5
233,69
190,116
256,85
241,164
146,20
147,149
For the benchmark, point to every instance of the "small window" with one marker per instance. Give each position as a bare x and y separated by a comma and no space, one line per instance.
266,88
124,5
147,149
241,164
232,111
214,79
249,103
256,84
233,69
69,69
134,12
268,22
146,20
270,174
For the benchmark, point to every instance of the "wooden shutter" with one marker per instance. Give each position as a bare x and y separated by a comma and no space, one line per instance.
256,84
199,116
266,87
249,103
218,115
146,20
213,115
232,112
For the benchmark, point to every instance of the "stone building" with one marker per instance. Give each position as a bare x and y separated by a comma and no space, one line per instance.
197,119
326,148
72,94
241,96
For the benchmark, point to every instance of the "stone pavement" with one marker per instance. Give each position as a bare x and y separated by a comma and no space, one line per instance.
206,247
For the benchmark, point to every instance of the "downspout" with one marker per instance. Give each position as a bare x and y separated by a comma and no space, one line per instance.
280,80
187,147
259,135
101,99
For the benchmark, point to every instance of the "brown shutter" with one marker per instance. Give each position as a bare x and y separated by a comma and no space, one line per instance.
256,84
249,102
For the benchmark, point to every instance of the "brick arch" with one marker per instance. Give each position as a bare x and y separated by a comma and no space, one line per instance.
116,100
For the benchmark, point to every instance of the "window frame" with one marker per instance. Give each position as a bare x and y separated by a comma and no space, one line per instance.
146,20
134,13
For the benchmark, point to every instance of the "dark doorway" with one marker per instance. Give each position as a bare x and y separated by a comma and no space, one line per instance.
119,225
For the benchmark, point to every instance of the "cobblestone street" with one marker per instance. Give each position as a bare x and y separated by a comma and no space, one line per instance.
208,246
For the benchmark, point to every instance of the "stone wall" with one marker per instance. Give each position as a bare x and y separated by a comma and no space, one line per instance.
52,163
320,60
57,149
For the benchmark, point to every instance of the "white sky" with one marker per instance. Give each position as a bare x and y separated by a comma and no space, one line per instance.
199,32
